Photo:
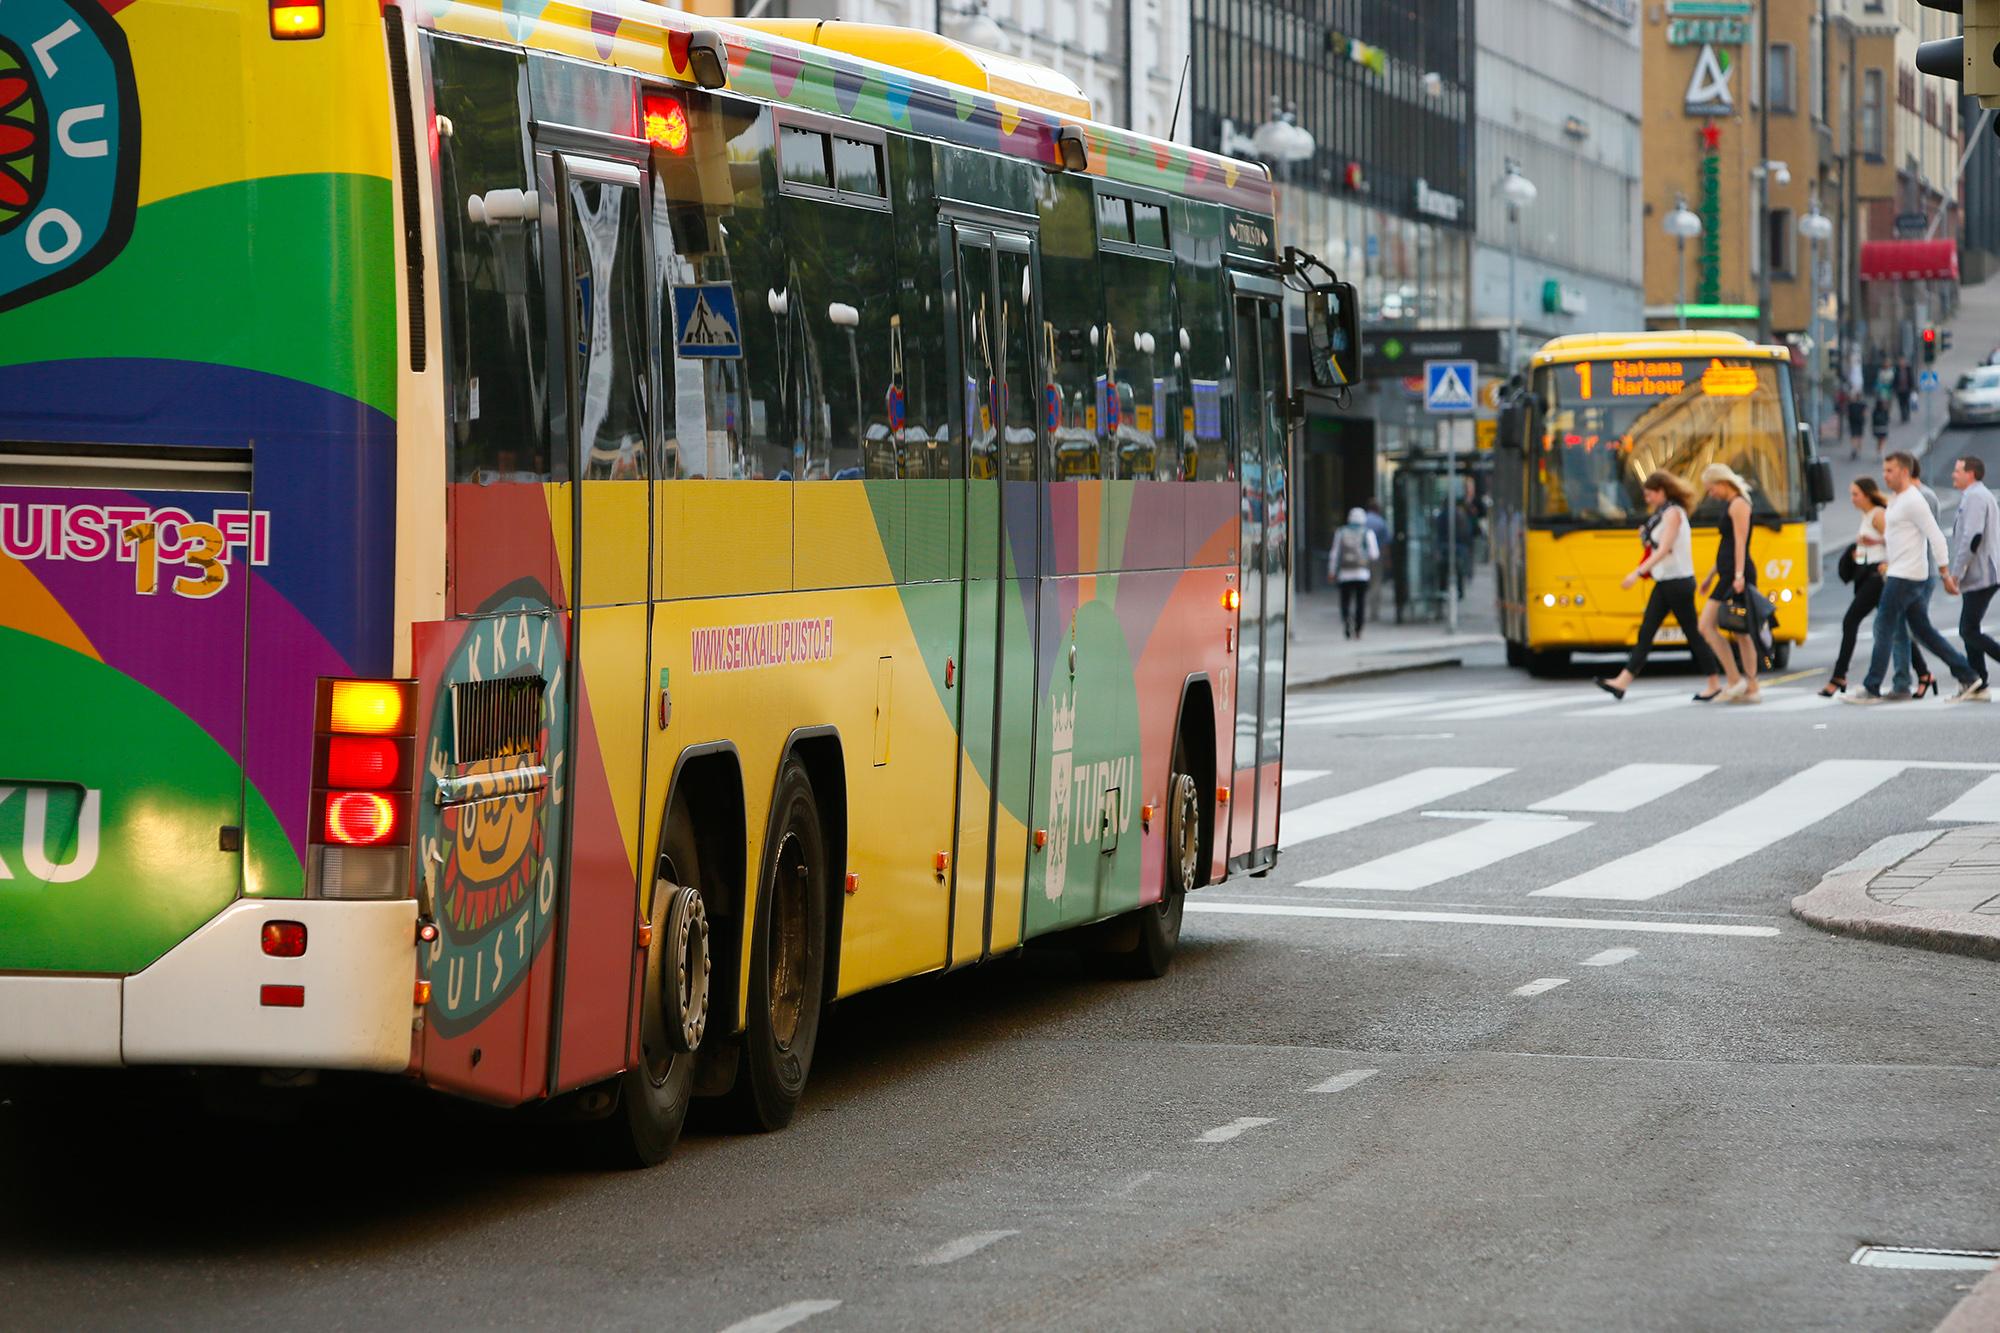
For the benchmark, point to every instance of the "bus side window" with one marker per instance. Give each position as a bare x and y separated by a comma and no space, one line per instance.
1138,365
1071,305
842,267
1205,448
495,315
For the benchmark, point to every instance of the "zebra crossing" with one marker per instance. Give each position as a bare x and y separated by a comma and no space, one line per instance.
1576,700
1471,840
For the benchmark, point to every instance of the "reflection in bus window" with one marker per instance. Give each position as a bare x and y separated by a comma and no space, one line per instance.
608,313
1072,305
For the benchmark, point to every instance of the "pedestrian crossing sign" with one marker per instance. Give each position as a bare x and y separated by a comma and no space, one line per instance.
705,321
1928,381
1449,385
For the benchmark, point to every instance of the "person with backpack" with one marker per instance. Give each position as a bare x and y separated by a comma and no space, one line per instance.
1878,420
1351,565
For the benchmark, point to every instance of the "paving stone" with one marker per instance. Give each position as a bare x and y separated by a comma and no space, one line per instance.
1947,900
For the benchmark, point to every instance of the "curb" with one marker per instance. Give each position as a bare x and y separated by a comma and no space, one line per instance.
1415,663
1979,1312
1840,905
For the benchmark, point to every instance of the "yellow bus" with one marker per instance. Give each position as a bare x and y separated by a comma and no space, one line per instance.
1593,416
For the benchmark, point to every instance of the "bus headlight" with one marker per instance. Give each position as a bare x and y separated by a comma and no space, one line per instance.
1548,599
1784,594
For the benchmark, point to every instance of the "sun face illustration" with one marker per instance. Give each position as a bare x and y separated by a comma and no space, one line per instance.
24,139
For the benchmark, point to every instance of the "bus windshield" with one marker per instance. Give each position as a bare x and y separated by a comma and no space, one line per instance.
1603,426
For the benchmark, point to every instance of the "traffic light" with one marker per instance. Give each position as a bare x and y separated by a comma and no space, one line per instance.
1944,340
1974,59
1930,346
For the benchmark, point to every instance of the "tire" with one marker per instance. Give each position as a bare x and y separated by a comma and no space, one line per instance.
1517,656
787,961
1551,663
1158,925
1781,655
653,1096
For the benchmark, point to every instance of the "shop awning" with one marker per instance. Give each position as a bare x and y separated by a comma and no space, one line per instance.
1900,261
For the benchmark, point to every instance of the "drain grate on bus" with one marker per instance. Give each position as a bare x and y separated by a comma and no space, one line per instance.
1918,1256
496,719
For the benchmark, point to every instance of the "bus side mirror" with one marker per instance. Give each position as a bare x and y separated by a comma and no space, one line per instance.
1333,335
1819,478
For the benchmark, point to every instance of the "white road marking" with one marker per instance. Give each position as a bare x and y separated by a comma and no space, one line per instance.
1131,1186
1981,805
1887,851
1342,702
1342,1082
1797,803
952,1251
1626,788
1371,712
1292,777
1350,810
783,1317
1610,957
1480,919
1506,707
1445,858
1640,705
1540,984
1804,703
1224,1133
1516,816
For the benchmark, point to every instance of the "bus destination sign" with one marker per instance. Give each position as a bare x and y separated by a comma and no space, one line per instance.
1662,379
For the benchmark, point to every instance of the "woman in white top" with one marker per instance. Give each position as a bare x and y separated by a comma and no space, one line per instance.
1870,552
1669,563
1352,563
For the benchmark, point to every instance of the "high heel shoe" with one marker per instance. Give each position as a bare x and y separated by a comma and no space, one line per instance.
1838,685
1925,685
1609,688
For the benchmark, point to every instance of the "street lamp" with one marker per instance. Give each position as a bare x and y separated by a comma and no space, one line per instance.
1683,226
1518,192
975,26
1815,226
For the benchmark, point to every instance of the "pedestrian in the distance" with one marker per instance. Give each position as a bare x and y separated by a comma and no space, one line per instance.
1379,526
1351,562
1878,420
1906,387
1735,573
1668,535
1857,422
1911,530
1975,563
1864,559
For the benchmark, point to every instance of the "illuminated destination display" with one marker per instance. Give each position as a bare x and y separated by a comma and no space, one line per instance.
1638,378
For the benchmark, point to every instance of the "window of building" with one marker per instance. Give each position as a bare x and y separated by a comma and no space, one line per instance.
1778,245
1871,112
1779,77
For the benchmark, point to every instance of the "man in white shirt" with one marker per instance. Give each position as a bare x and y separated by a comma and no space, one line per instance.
1975,562
1910,531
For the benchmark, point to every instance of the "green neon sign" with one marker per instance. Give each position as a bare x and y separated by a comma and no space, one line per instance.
1711,310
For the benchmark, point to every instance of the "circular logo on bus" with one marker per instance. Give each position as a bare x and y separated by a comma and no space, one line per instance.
69,145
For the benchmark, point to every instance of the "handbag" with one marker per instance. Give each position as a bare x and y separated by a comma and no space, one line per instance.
1849,568
1733,616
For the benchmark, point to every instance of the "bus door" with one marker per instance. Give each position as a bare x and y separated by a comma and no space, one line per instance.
1264,569
606,299
993,283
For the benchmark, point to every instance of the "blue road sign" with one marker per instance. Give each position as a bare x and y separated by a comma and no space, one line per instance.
1928,381
1449,386
705,320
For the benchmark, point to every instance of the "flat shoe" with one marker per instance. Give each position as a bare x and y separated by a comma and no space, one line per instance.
1708,698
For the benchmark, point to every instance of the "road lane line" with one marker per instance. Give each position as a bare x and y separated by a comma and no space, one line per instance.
1795,804
1350,810
1342,1082
952,1251
1640,705
1446,858
1480,919
783,1317
1610,957
1538,985
1292,777
1626,788
1224,1133
1981,805
1804,703
1553,698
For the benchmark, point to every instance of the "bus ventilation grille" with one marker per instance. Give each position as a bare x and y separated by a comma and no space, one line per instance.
496,719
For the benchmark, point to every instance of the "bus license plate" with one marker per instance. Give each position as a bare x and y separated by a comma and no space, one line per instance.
1670,634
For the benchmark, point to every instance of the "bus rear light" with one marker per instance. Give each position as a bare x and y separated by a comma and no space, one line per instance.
369,708
360,818
422,994
665,122
282,997
284,939
1231,599
363,874
363,761
292,21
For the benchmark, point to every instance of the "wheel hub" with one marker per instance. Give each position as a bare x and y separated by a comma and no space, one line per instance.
684,992
1184,830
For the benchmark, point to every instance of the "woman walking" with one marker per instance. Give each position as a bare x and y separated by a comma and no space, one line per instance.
1857,423
1870,546
1735,573
1352,562
1878,421
1668,534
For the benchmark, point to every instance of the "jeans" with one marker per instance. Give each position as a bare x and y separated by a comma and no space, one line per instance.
1675,597
1906,655
1979,645
1902,602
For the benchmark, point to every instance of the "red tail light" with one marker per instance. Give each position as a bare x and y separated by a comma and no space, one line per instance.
361,818
284,939
282,997
363,761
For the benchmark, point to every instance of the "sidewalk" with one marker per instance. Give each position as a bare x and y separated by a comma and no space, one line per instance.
1943,894
1319,655
1975,330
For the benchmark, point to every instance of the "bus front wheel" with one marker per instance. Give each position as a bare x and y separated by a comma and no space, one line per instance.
787,960
1517,654
1781,655
1552,662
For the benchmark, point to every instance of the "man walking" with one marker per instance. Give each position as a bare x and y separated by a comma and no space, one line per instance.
1906,386
1902,684
1975,562
1910,530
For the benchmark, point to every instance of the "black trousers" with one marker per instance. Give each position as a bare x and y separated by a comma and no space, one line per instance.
1675,597
1979,645
1353,603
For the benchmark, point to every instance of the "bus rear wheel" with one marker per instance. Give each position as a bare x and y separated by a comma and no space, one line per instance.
1158,925
787,960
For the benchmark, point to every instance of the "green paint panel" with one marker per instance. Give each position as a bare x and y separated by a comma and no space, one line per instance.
290,275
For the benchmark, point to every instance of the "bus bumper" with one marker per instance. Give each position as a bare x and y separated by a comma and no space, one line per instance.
203,1002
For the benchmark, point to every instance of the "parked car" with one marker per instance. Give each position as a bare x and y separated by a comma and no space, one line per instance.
1976,396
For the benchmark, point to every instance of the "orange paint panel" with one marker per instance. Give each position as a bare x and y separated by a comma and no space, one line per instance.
27,606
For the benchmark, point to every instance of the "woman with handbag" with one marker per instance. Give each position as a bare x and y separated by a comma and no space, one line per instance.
1735,571
1861,565
1668,536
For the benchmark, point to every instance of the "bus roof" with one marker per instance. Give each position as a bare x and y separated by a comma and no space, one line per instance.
1654,342
892,78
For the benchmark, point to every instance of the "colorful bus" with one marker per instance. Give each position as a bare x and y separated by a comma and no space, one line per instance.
541,545
1596,414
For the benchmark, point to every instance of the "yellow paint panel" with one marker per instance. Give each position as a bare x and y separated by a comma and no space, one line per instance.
611,642
838,545
616,517
223,102
735,537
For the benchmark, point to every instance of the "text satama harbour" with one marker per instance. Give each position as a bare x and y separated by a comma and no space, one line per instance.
1647,379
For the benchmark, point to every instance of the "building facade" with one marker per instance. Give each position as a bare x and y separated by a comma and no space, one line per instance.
1559,98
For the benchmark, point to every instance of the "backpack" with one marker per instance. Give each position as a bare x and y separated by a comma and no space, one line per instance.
1350,551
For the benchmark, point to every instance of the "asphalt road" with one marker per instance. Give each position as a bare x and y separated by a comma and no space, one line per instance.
1428,1093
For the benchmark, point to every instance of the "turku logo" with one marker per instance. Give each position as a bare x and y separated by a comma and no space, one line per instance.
69,145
